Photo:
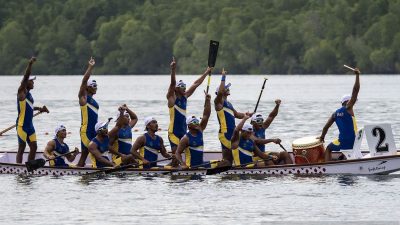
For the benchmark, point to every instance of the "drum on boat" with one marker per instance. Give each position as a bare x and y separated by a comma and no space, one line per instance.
308,150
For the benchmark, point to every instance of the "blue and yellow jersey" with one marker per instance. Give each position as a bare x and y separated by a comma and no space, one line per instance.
25,111
194,153
89,116
151,149
244,153
226,118
103,149
177,117
260,133
346,124
59,150
124,142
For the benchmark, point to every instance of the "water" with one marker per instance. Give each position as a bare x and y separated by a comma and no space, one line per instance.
307,102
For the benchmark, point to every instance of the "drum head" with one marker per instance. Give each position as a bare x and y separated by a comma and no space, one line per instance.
306,142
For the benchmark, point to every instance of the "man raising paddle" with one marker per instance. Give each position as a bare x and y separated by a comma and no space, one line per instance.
345,121
89,111
25,129
177,101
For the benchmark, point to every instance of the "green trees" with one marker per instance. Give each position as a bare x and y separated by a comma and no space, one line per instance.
141,36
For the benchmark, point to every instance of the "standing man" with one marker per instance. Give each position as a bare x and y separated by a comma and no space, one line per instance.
192,143
260,126
177,101
57,147
25,129
121,136
345,121
226,117
89,111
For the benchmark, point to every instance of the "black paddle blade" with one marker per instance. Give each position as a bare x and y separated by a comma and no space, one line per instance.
218,170
212,53
34,164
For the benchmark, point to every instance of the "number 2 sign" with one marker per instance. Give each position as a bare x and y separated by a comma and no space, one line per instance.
380,140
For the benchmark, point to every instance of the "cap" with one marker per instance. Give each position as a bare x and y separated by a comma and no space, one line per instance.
345,98
100,125
148,120
32,77
226,87
92,83
180,83
256,117
59,128
118,114
192,119
247,127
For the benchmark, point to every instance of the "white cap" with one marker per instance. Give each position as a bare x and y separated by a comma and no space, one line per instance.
180,83
345,98
118,114
32,77
100,125
247,127
59,128
255,117
226,87
148,120
91,83
190,119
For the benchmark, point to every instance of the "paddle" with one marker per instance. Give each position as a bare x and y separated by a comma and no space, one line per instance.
13,126
282,147
35,164
193,167
217,170
350,68
259,97
212,58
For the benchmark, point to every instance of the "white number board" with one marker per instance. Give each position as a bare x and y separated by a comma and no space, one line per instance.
380,140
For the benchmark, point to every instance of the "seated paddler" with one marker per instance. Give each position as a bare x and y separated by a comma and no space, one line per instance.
98,147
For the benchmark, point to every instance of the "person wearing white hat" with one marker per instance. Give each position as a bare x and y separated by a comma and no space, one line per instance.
99,146
260,126
25,129
244,147
148,145
177,96
226,117
121,136
345,120
56,147
89,111
192,143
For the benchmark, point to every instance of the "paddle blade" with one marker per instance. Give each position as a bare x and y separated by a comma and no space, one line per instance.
34,164
212,53
218,170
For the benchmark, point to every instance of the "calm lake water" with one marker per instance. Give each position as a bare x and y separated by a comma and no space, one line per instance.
307,102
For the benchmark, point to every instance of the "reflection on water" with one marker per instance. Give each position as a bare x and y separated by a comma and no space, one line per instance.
347,180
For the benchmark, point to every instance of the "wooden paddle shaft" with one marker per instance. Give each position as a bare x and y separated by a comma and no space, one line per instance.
13,126
259,97
208,83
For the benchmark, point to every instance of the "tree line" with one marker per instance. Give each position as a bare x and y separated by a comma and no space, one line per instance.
256,37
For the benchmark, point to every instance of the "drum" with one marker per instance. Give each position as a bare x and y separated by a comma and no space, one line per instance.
308,150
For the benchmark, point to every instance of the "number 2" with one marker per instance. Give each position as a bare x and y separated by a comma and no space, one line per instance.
377,131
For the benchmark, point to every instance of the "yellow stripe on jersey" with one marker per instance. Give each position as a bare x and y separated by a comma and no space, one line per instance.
21,116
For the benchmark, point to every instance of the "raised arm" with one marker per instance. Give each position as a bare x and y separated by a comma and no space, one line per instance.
328,124
198,82
113,136
83,89
140,142
272,115
171,90
219,100
132,115
22,89
183,144
236,132
206,112
261,141
356,89
48,151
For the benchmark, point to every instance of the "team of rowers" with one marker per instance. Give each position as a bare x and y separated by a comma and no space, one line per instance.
242,144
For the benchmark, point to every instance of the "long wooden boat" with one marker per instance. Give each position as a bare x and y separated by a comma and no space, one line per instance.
364,166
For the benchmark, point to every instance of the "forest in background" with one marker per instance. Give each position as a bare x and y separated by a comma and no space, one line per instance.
256,37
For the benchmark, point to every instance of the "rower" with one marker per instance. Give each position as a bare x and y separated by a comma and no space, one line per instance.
177,100
56,147
260,126
89,111
192,142
226,117
345,121
98,147
121,136
244,147
25,129
148,145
